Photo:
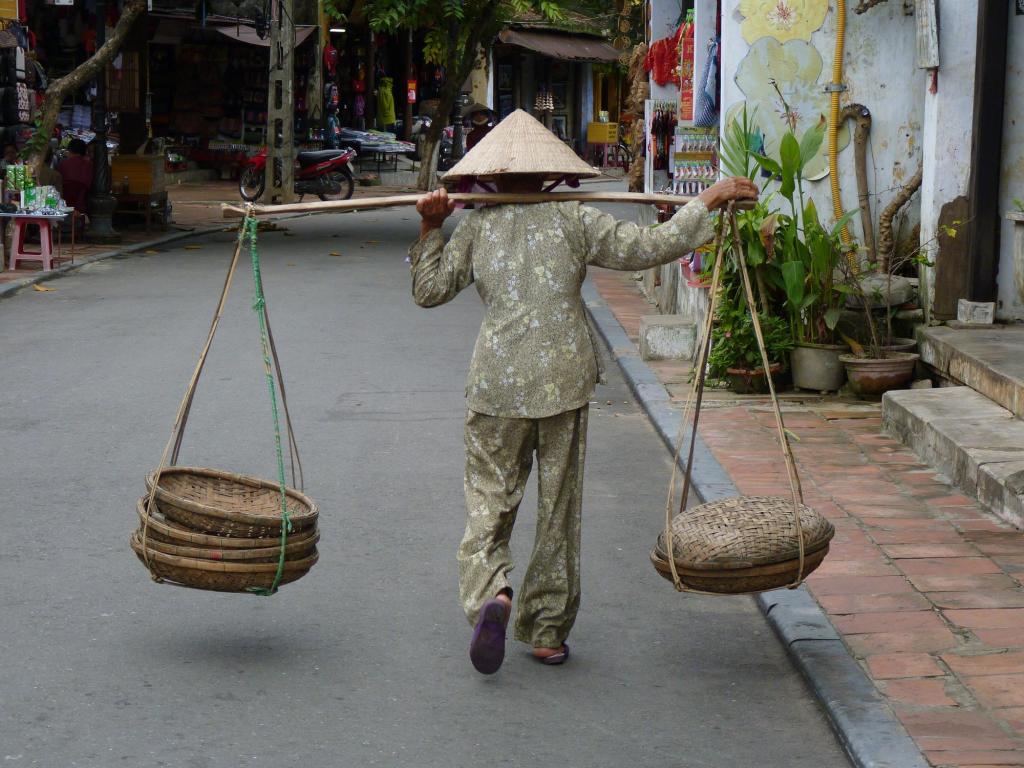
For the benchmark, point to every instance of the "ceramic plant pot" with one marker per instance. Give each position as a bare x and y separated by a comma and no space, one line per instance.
750,381
896,344
817,367
872,377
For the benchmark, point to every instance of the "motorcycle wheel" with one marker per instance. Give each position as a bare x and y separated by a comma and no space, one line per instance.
251,184
345,181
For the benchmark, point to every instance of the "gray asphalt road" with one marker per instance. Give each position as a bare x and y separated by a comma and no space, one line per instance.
364,661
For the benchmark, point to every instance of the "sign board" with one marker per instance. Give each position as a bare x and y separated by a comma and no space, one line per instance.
60,2
9,9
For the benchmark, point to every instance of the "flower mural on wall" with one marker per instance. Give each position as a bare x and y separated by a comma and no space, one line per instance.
782,20
796,68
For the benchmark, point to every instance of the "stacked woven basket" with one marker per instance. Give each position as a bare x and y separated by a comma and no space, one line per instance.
209,529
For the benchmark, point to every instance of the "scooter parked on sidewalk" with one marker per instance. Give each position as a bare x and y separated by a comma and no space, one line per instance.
326,173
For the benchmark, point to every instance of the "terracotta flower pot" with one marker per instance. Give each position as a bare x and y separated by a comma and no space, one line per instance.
817,366
750,381
872,377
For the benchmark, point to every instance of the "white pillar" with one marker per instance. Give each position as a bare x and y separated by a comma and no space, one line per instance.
946,132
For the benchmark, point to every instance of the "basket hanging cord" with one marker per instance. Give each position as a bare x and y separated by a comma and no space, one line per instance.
169,457
787,452
181,418
694,399
260,307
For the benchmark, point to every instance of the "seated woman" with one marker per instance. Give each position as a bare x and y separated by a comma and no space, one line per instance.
76,173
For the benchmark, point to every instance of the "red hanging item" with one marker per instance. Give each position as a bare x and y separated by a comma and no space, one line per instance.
330,59
663,58
686,62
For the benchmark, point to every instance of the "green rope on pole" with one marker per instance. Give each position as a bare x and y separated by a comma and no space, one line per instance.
259,303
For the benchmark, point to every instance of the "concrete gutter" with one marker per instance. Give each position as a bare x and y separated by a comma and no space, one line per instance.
860,716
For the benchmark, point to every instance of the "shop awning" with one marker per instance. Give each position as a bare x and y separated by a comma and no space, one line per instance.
244,34
558,46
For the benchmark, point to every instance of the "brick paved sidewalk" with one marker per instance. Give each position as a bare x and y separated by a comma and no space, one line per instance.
920,582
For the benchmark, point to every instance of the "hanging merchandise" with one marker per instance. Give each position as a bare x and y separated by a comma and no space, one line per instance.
331,97
663,58
330,59
386,103
706,107
686,65
663,125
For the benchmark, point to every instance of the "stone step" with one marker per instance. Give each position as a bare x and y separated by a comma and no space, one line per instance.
989,360
976,443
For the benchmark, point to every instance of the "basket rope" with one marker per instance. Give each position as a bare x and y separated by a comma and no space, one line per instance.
247,230
695,399
259,306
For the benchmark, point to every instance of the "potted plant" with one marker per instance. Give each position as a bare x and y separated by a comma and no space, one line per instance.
735,356
875,367
807,255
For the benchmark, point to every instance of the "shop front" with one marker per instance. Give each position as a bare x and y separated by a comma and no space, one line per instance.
552,76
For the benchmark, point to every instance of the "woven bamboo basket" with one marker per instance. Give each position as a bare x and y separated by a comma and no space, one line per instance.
160,528
229,504
743,544
292,552
215,575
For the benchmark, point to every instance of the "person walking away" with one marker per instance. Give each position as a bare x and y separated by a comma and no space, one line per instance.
534,367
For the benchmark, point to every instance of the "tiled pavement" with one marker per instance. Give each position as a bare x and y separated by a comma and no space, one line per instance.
196,206
921,583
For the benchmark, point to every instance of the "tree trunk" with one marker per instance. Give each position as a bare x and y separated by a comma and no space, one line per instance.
428,163
77,79
459,64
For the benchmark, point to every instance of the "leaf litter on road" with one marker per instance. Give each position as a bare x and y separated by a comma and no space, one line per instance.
42,288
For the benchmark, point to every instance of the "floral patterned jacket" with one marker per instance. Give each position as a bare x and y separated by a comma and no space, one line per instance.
535,356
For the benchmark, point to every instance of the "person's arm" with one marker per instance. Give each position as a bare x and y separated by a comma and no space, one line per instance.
440,270
627,246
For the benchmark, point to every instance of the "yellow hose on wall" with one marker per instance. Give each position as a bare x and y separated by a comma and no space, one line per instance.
834,124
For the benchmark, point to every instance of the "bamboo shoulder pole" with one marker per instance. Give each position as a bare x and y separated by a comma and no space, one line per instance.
369,203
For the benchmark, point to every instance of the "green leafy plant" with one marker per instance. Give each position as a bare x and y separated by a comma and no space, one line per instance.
739,144
734,343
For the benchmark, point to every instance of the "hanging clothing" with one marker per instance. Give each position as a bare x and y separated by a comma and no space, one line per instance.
386,102
499,457
706,108
663,58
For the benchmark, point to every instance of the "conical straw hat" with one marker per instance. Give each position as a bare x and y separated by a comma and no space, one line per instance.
520,144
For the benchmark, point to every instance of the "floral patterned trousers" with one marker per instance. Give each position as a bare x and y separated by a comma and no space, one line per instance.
499,457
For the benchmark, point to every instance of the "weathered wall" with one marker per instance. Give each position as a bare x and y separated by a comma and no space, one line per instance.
797,50
1011,272
948,114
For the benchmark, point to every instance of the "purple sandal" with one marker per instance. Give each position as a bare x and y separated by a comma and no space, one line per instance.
487,649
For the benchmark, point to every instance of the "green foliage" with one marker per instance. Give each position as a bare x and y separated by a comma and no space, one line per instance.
449,24
740,141
734,344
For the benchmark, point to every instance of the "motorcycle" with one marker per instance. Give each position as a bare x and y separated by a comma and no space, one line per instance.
326,174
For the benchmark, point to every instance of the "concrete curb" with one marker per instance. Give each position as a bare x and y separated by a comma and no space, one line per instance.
860,716
11,288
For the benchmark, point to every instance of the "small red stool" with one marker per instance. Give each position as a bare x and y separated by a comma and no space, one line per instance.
45,252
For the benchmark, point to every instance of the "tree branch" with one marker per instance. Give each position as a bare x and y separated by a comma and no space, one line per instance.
85,72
